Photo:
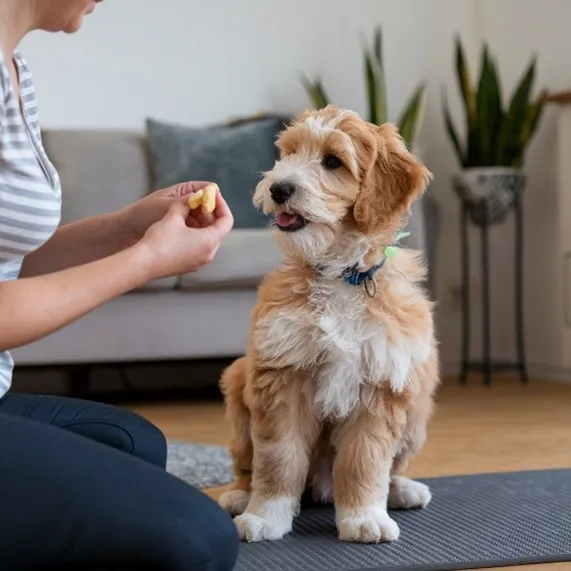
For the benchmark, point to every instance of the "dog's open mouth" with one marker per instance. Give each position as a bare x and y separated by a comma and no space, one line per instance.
290,221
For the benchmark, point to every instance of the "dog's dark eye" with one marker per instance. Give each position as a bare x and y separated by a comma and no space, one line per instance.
332,162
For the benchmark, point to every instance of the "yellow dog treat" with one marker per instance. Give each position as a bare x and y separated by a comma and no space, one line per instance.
195,199
205,197
209,198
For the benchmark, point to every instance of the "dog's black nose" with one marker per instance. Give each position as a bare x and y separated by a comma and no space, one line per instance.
281,191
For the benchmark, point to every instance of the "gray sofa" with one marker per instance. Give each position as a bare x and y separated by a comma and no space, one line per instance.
201,315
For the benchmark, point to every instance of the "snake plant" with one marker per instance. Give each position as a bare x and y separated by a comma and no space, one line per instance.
495,134
410,120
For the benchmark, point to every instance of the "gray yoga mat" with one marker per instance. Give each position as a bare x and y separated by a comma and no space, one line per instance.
489,520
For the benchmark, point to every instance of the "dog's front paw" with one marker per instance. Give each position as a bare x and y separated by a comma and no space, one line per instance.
267,518
234,501
406,494
366,525
252,527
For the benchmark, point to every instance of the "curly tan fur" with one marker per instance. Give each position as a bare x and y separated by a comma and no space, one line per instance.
335,390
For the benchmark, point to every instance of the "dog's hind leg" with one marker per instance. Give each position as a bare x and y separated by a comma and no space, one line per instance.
232,384
285,430
405,493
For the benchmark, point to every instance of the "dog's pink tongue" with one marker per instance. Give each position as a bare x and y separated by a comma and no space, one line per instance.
285,220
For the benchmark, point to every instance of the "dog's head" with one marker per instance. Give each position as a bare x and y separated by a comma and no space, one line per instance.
340,187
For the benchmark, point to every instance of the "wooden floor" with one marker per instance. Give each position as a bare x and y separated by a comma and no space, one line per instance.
475,429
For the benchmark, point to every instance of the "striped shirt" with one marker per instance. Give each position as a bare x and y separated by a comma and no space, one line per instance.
30,194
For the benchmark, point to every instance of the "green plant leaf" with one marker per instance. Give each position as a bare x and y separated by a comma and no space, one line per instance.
465,83
468,97
452,130
376,92
378,46
533,116
309,87
534,113
411,118
371,85
315,91
488,110
375,85
513,139
496,113
321,96
381,96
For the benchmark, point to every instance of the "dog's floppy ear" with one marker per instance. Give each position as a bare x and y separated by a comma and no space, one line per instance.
392,180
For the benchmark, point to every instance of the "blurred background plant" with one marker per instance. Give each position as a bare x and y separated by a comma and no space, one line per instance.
494,135
410,120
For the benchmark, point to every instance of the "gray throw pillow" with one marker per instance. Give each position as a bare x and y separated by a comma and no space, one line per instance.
232,155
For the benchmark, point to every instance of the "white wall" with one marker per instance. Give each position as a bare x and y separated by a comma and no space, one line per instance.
195,61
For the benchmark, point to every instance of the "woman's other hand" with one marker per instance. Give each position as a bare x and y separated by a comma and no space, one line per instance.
183,240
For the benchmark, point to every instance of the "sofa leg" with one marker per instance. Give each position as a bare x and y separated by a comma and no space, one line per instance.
78,381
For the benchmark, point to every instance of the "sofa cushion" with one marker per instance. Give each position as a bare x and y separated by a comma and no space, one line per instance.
233,155
100,171
244,258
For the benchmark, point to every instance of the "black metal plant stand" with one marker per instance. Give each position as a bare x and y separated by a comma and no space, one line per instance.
486,366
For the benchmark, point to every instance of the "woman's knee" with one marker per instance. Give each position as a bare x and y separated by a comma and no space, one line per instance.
148,441
205,539
126,431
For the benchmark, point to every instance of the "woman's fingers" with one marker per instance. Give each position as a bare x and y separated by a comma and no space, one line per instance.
224,219
221,217
220,221
178,209
199,219
186,188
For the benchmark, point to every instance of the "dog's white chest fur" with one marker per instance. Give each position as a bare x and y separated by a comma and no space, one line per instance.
334,339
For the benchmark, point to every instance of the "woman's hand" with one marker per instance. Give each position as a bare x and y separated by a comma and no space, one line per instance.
139,216
184,240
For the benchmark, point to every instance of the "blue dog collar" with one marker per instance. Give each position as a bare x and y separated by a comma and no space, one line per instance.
354,277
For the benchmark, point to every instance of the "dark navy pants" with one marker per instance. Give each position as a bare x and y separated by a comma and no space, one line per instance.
83,486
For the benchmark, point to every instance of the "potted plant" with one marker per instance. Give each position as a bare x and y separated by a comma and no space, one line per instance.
410,120
496,136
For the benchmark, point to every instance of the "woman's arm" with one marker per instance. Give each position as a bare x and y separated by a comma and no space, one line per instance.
77,243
